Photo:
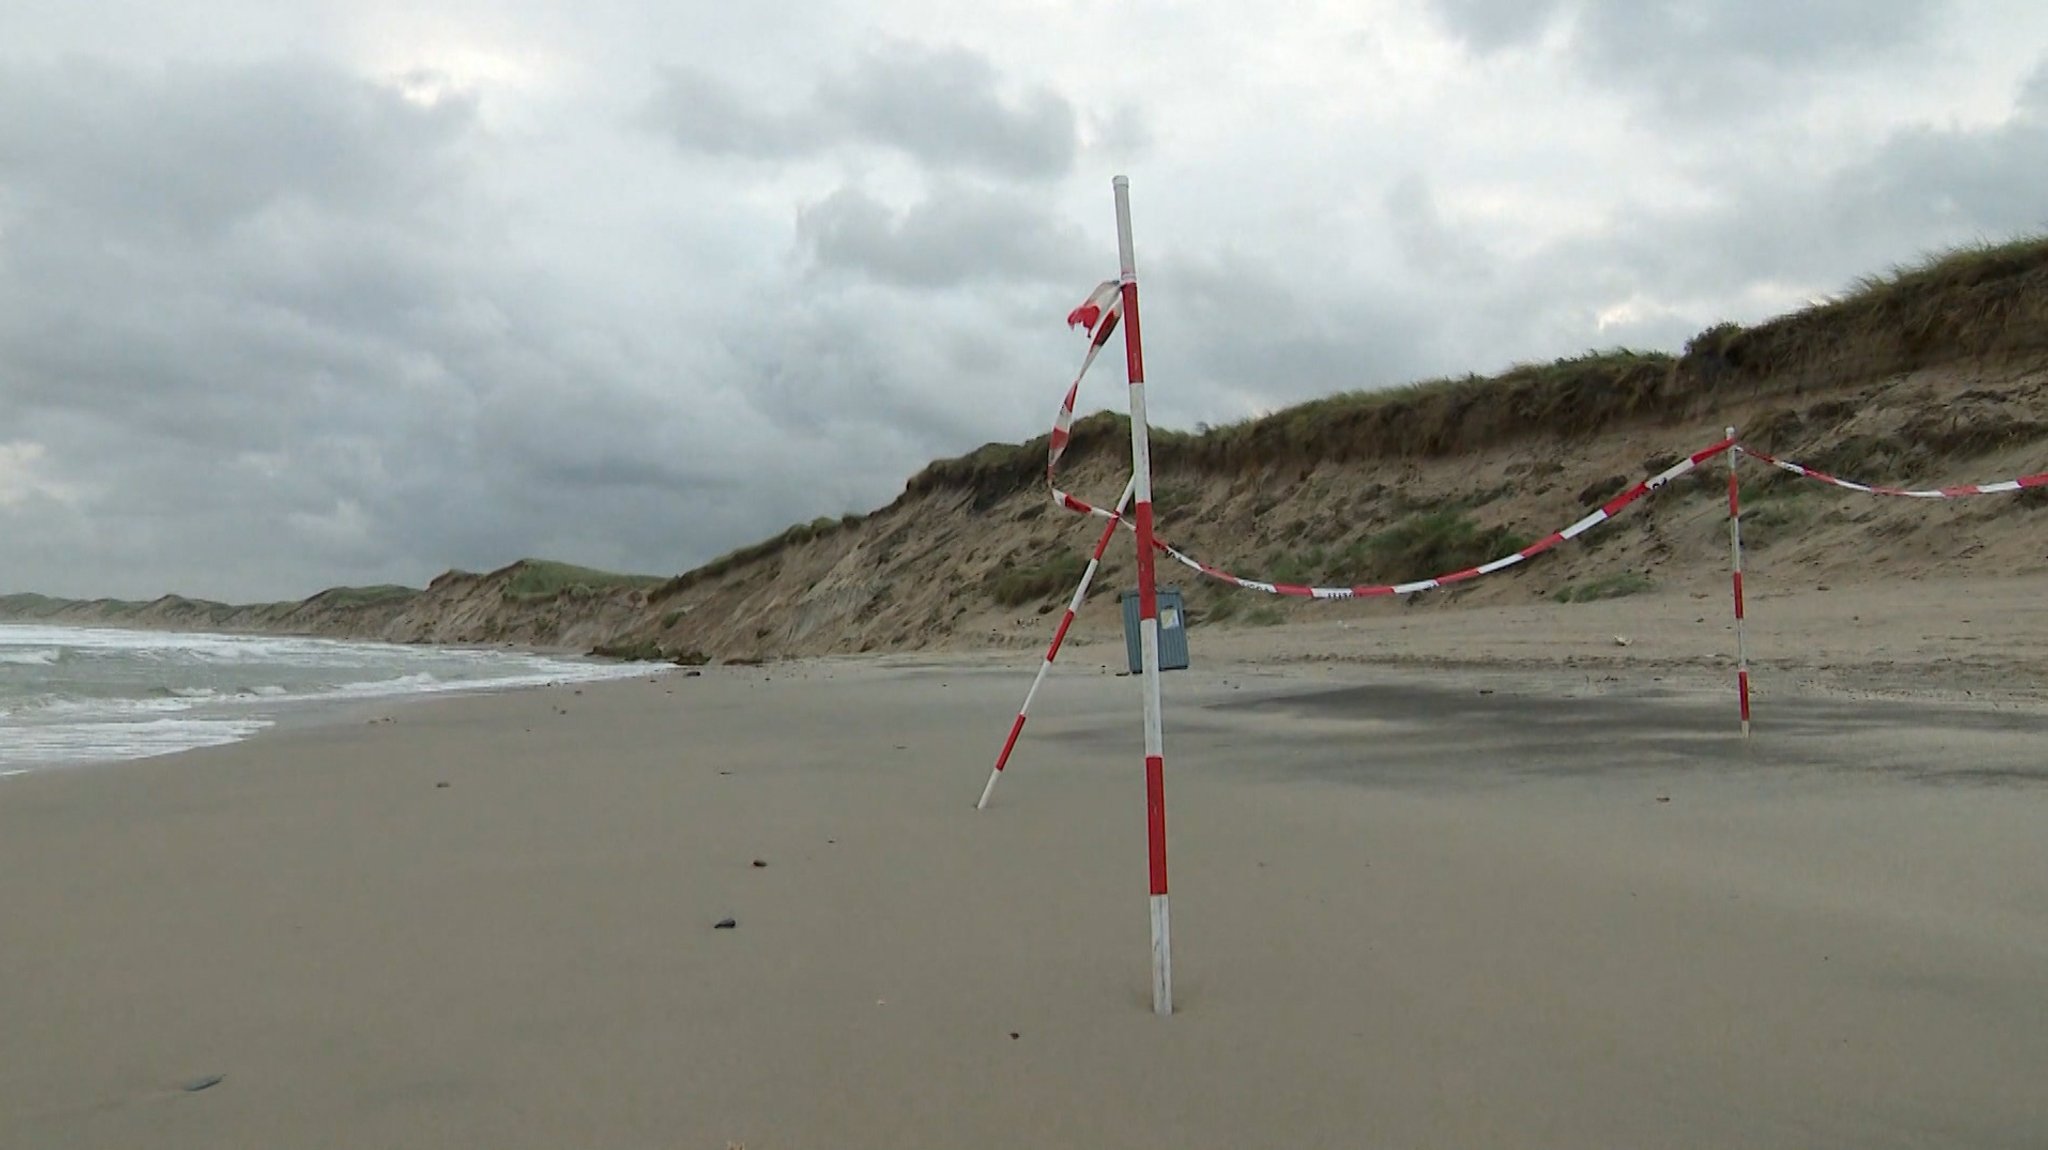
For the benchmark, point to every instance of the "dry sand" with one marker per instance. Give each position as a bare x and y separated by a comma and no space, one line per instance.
1514,905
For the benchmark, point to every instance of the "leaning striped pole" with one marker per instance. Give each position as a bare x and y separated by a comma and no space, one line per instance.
1148,612
1735,550
1059,636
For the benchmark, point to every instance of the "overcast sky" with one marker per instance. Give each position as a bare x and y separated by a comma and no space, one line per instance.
304,292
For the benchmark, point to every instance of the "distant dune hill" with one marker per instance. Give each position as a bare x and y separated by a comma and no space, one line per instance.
1932,375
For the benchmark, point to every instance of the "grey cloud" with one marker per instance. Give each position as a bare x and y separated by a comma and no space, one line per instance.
1920,190
1707,59
956,235
703,115
943,107
2033,97
1225,332
265,325
1701,58
1636,35
1425,240
195,148
1667,273
1123,131
1490,25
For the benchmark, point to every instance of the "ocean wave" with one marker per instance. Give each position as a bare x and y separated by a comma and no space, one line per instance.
58,705
107,741
120,694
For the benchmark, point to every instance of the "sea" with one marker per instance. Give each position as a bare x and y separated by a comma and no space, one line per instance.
72,695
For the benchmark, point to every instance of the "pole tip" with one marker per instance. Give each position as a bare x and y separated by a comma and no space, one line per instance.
1120,182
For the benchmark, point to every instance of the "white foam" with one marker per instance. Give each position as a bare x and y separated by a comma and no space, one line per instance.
132,694
31,656
74,742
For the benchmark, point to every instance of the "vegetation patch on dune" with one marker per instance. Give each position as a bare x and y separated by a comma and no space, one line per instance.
1615,586
378,595
1434,543
731,561
536,579
1017,586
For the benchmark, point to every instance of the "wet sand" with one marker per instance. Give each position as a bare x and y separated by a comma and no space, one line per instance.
1525,908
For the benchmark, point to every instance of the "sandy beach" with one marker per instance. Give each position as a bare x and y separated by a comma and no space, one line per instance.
1496,904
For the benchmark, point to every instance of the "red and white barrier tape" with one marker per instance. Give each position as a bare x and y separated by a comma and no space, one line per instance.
2001,488
1608,511
1099,315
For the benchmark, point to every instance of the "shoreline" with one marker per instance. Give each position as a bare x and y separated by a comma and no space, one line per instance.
1805,642
229,717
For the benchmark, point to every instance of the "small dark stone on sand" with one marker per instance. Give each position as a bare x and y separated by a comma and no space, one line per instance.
726,924
1663,798
206,1083
725,772
693,674
760,862
1014,1034
440,786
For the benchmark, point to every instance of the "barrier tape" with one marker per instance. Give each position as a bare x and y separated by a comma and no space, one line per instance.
1099,315
2010,485
1607,511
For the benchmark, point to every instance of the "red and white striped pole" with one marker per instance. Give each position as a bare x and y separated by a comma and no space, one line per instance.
1735,550
1148,612
1059,636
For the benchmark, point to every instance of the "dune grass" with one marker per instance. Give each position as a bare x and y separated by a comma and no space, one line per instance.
536,579
1618,585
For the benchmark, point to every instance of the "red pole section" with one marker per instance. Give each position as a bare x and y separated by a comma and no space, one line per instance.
1735,550
1059,636
1148,613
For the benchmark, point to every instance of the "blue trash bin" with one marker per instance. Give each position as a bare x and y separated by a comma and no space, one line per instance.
1173,630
